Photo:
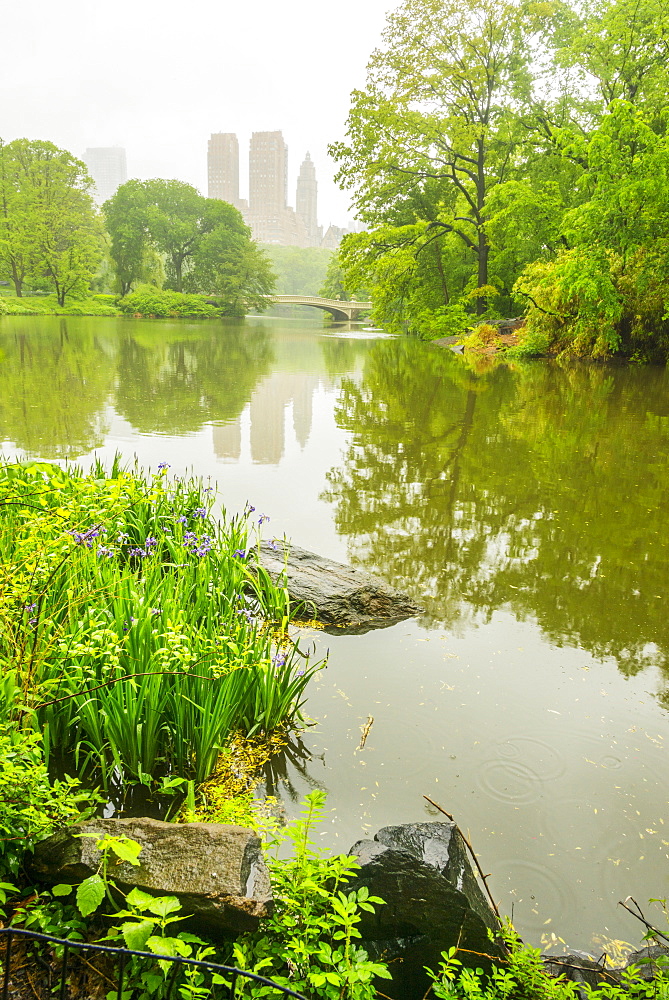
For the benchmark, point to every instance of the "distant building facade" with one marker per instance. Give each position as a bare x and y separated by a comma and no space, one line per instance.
306,201
223,167
267,213
108,167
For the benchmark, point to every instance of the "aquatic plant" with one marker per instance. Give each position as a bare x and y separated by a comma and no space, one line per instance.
136,632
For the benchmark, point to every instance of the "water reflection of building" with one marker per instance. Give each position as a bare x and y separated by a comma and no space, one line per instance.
265,433
228,441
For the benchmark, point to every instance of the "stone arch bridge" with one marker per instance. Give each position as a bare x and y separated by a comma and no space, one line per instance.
339,309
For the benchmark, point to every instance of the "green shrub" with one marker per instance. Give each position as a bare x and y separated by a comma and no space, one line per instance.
149,301
310,943
31,805
523,977
532,343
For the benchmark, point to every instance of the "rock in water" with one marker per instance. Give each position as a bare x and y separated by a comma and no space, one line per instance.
217,871
433,903
334,593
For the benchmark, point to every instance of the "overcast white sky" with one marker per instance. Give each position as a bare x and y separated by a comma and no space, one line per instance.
157,77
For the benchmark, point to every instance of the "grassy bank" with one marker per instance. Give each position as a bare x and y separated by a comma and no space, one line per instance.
145,302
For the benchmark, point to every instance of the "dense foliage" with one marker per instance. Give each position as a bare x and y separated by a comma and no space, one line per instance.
134,634
515,156
202,244
49,233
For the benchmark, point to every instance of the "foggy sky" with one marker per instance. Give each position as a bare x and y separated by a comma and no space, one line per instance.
159,77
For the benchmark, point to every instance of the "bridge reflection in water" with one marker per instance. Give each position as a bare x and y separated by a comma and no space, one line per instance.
341,310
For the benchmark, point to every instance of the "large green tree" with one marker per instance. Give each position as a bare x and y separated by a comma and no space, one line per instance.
436,128
48,225
204,243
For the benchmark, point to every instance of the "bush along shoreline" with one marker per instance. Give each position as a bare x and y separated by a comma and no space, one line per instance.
149,663
146,302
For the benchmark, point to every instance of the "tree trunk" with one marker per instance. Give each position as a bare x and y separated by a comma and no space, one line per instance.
483,252
178,268
483,249
440,268
18,282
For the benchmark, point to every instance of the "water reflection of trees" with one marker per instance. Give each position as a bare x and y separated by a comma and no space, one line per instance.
173,383
542,490
55,377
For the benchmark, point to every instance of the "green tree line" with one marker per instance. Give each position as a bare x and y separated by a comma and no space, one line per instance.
160,232
512,157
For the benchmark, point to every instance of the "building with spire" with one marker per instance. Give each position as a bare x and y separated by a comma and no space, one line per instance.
267,212
306,201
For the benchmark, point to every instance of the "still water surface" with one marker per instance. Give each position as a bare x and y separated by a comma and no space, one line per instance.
524,509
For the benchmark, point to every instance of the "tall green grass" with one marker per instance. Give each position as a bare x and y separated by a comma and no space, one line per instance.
133,632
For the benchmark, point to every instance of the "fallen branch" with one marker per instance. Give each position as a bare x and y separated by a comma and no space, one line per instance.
639,916
471,850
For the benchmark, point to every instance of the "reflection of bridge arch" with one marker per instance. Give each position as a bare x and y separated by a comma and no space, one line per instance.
341,311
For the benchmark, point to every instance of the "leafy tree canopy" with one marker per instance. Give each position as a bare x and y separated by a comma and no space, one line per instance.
203,244
49,231
513,156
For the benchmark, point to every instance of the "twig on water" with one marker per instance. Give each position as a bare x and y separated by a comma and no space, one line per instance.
365,731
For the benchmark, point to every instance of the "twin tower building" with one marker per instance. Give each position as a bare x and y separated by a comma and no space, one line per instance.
267,211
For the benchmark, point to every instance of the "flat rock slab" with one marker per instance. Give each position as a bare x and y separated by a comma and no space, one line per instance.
334,593
216,870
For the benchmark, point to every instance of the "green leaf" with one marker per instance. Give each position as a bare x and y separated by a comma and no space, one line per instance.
139,900
164,905
170,946
59,890
125,849
90,894
136,934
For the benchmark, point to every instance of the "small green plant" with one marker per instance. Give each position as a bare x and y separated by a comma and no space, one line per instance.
523,977
311,942
31,804
93,889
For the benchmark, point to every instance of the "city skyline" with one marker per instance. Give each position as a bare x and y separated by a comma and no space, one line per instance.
107,88
271,218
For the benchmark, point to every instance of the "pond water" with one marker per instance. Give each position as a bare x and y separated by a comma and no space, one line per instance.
524,509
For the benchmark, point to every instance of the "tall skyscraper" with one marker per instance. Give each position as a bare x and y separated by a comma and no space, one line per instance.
271,219
268,173
306,200
108,168
223,167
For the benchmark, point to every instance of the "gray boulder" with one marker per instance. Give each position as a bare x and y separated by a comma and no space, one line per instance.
433,903
217,871
334,593
649,960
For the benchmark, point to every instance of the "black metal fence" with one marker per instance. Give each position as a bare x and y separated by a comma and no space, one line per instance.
228,977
